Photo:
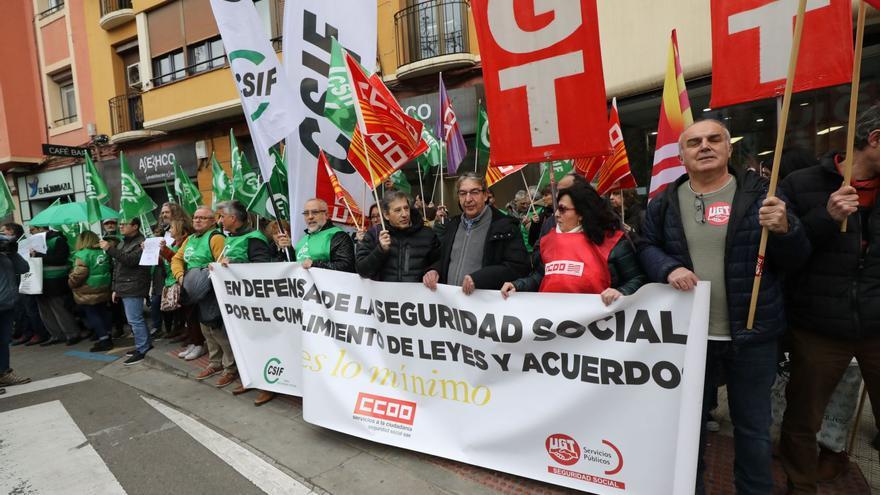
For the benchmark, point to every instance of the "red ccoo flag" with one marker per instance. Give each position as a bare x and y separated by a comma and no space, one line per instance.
496,173
331,191
615,172
675,115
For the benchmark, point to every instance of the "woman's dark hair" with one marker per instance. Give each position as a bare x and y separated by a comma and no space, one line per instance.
17,230
598,219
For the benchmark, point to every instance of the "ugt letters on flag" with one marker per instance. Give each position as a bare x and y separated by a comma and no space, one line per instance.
544,82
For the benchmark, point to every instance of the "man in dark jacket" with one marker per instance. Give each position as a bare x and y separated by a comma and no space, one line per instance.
835,311
482,248
707,226
56,300
403,252
12,266
324,245
131,284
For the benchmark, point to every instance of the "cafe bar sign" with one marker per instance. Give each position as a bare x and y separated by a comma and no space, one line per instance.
61,150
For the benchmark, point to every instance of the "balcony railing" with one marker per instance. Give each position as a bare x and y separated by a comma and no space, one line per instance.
126,113
190,70
66,120
431,29
110,6
51,10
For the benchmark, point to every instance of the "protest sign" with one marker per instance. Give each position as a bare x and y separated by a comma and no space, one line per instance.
480,379
150,253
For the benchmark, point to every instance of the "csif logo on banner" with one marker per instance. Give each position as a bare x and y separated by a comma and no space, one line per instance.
254,83
273,370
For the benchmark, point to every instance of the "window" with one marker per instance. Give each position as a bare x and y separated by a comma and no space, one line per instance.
50,7
168,67
68,103
206,55
62,101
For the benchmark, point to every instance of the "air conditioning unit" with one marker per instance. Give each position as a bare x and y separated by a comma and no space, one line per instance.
133,74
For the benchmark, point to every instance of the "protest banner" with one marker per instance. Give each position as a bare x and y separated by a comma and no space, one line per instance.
484,380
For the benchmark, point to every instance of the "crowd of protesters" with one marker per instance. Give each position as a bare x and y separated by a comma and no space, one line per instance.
705,226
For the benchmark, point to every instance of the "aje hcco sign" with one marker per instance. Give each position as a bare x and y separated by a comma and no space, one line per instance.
158,165
552,395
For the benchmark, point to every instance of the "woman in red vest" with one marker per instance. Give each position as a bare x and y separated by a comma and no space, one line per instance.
587,252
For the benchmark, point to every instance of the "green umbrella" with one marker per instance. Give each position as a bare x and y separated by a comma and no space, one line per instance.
68,214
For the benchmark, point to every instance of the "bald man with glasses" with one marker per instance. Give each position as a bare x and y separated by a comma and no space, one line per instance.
324,245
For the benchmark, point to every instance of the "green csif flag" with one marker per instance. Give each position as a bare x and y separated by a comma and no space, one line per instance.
222,184
172,198
188,193
96,190
262,204
400,182
245,181
7,206
560,168
133,200
482,135
339,102
435,153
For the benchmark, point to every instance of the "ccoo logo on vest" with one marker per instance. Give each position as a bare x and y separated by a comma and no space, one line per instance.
273,370
255,82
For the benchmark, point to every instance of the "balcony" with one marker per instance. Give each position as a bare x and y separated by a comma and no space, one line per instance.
53,7
191,100
115,13
433,36
127,119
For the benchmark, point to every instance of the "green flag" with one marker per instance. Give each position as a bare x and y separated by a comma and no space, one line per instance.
172,198
96,191
262,204
400,182
221,182
245,181
436,151
133,200
7,206
560,168
188,193
482,135
339,102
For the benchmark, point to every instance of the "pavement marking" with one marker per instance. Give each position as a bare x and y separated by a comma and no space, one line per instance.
44,384
43,451
262,474
94,356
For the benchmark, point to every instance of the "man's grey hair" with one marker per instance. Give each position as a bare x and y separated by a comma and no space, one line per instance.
235,208
471,176
720,123
866,123
392,196
319,200
520,195
205,207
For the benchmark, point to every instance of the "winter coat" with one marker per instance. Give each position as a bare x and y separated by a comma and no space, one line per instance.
663,248
82,293
413,250
129,278
838,291
12,266
57,255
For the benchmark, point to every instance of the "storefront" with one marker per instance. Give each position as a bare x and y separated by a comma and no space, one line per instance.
37,191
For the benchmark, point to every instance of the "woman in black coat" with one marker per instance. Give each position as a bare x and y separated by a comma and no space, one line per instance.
403,252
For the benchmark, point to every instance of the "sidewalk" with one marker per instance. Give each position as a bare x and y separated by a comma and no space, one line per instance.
446,476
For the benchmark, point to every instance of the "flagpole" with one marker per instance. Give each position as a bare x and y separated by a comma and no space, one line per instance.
476,145
348,207
372,179
422,190
854,102
777,155
434,188
531,198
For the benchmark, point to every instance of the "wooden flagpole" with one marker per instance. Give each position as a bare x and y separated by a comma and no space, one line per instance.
531,198
476,145
422,189
854,101
777,155
372,184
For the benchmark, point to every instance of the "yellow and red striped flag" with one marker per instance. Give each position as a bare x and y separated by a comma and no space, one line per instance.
329,189
495,174
590,166
675,115
615,172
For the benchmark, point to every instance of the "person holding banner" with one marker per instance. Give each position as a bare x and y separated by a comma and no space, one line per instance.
403,252
706,226
53,303
280,249
480,249
324,245
587,253
90,281
835,311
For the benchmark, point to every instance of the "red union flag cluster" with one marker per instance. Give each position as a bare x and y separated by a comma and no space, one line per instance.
331,191
612,172
544,77
751,45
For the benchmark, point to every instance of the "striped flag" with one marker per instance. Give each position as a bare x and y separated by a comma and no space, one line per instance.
675,115
450,132
589,167
615,172
331,191
495,174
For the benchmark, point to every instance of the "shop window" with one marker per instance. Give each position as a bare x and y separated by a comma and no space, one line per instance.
206,55
168,67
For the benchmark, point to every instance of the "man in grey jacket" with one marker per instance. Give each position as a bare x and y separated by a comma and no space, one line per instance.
131,284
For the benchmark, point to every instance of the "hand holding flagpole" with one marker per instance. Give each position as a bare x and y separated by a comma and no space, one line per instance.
854,101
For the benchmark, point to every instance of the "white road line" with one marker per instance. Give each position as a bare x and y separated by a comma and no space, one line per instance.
44,384
262,474
43,451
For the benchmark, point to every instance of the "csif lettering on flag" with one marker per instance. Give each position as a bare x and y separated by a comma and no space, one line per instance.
751,45
544,78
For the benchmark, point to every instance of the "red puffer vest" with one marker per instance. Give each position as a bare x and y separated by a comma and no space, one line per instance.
573,264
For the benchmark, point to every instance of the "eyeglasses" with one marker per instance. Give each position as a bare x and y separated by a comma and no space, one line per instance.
313,213
472,192
202,218
562,209
700,209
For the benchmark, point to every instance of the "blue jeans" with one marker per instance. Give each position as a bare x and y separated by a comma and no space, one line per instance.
134,313
750,371
6,316
156,312
98,318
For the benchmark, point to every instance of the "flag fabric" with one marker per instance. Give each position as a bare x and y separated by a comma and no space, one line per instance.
615,172
339,102
331,191
589,167
675,115
874,3
483,132
495,174
7,206
434,155
222,186
96,190
133,200
263,204
400,182
450,132
245,182
172,198
188,193
560,169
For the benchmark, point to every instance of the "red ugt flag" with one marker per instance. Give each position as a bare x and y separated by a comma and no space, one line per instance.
751,46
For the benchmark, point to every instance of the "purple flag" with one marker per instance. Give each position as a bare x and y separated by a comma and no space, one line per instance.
450,132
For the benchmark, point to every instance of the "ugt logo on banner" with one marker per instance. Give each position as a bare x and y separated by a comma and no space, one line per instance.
545,90
751,46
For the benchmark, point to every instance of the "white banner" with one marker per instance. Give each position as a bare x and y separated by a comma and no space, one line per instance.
267,97
309,26
575,393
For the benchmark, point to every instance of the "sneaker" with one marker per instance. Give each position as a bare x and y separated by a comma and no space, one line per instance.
74,340
11,378
196,352
713,426
226,379
135,358
207,373
134,351
102,346
182,354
